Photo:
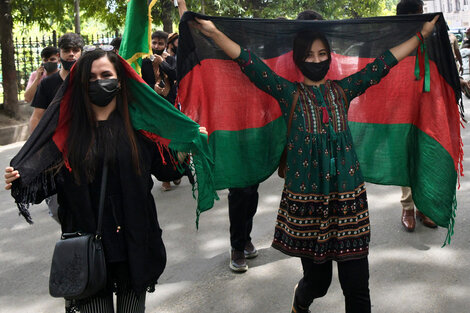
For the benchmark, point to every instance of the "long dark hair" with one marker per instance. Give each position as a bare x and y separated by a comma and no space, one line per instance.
82,130
303,42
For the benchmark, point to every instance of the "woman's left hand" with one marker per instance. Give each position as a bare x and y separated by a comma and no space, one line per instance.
429,26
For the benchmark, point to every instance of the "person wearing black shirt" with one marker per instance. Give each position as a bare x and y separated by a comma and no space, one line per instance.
159,73
70,49
161,76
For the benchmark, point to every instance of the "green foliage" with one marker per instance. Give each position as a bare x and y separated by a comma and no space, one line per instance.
110,12
391,7
45,13
332,9
52,13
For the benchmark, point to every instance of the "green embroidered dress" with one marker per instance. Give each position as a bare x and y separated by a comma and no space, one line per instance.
323,213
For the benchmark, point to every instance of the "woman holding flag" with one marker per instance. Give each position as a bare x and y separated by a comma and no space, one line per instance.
94,123
323,214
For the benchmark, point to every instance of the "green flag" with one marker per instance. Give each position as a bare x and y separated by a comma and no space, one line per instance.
137,32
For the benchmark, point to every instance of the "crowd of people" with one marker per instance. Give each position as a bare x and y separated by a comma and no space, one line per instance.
101,132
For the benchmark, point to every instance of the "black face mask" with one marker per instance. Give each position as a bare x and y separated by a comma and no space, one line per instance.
159,52
67,65
50,67
315,71
175,50
102,91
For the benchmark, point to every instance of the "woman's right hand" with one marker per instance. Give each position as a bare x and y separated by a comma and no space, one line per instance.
204,26
10,176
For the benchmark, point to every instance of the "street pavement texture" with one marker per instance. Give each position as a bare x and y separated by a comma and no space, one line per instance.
409,272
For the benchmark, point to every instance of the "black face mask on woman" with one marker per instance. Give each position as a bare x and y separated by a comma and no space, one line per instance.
103,91
315,71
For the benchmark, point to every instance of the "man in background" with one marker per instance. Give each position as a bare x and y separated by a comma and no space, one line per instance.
49,66
70,49
408,218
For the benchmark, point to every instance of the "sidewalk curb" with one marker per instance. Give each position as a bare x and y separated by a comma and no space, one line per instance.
12,130
14,133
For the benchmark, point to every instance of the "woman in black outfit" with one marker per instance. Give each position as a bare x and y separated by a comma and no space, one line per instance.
100,131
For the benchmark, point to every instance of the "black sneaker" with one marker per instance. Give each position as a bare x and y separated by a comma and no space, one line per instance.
295,307
238,261
250,250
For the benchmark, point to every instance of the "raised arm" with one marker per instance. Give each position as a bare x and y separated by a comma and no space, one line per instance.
33,84
404,49
251,65
182,7
357,83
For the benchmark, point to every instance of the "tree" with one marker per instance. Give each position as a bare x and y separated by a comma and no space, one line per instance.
110,12
332,9
165,12
23,11
10,88
45,13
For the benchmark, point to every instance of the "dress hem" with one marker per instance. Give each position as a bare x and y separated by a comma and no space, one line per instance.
316,260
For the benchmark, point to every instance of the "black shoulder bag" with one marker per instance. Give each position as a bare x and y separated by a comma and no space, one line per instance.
282,169
78,268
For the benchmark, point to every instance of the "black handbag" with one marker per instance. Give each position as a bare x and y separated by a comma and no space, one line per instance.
282,169
78,268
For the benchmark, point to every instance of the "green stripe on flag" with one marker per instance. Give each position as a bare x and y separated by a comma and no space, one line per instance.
152,113
420,162
232,171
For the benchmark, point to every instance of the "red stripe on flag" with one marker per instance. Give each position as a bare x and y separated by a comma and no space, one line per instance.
62,130
218,95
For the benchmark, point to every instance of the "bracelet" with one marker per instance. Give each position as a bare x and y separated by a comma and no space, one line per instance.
420,36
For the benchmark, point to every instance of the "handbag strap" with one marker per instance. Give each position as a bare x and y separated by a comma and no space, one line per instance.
104,180
294,103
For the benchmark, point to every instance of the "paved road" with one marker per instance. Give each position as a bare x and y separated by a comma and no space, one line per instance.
410,272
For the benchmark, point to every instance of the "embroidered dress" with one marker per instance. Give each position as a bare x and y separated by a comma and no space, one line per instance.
323,213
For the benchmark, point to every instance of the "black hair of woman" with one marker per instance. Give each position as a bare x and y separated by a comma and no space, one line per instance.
303,42
83,121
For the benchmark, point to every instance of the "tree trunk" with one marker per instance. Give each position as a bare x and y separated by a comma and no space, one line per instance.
167,9
77,16
10,87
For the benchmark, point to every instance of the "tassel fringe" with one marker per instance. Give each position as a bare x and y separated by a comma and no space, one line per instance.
33,192
450,226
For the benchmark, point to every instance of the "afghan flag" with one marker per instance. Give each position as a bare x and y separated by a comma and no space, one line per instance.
137,37
150,114
403,135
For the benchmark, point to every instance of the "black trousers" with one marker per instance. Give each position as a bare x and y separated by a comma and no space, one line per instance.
353,277
242,205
